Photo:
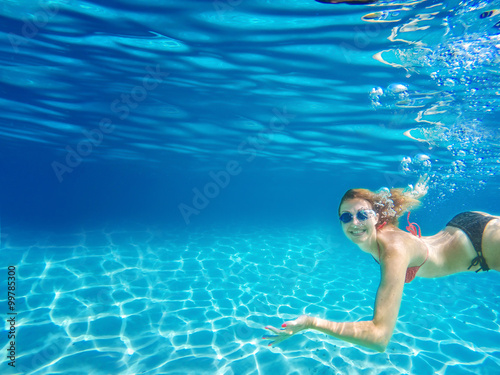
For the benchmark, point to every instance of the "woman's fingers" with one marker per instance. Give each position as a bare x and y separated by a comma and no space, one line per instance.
288,329
281,335
270,338
275,330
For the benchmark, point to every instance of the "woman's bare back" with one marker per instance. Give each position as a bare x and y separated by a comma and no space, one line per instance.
451,250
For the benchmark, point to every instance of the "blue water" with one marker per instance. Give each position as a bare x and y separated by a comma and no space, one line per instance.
171,172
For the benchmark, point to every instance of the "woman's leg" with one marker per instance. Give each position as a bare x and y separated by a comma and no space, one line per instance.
491,243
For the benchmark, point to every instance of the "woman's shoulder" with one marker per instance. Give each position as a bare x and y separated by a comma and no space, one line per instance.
391,233
394,239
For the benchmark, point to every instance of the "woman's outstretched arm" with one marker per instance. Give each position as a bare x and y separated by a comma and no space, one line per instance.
374,334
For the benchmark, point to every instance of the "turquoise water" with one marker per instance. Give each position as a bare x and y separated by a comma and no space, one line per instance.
133,302
171,173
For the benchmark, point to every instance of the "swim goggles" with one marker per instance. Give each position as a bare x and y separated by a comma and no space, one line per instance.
361,215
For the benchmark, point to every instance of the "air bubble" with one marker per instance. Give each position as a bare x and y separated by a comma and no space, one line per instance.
375,94
376,91
398,90
449,82
384,191
406,164
419,165
384,201
422,157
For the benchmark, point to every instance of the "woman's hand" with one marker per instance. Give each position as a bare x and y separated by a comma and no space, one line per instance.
289,329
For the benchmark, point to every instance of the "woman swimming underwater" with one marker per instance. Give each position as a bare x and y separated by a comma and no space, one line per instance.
469,242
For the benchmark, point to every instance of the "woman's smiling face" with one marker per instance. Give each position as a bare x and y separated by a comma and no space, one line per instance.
358,231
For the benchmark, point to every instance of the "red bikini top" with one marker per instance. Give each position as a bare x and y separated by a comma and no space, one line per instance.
410,228
411,272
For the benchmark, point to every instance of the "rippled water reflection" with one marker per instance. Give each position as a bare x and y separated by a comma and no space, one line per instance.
71,65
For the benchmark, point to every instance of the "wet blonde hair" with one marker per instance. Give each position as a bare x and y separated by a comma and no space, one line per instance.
388,204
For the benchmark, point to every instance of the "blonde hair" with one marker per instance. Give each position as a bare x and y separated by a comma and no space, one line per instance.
388,204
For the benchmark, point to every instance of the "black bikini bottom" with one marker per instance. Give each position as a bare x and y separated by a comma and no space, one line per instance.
473,224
